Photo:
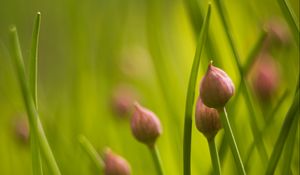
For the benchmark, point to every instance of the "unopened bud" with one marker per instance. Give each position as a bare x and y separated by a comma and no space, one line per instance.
145,125
216,88
266,77
115,164
21,129
207,120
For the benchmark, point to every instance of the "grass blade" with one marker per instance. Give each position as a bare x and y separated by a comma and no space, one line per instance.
191,95
232,142
291,18
291,117
33,59
35,124
289,147
91,151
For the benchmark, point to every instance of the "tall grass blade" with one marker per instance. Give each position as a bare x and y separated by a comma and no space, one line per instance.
191,94
291,117
91,151
291,18
35,124
33,66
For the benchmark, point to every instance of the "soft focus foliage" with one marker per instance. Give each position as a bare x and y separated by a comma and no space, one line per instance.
91,49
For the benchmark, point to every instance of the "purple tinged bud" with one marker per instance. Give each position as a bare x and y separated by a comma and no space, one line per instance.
207,120
216,88
145,125
115,164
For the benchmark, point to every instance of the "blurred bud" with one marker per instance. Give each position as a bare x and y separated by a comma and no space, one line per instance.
278,34
216,88
122,100
145,125
21,129
266,77
207,120
115,164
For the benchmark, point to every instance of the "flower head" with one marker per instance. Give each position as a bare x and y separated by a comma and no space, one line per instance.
115,164
145,125
216,88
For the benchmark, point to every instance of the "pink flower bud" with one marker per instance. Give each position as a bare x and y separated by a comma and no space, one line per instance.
145,125
266,77
216,88
207,120
115,164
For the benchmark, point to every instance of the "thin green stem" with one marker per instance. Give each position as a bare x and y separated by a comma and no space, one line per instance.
291,117
253,123
289,147
214,156
290,18
33,65
191,95
91,151
232,142
35,124
156,159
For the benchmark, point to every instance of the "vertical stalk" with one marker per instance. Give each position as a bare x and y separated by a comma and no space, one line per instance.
232,142
33,66
157,161
191,95
290,118
35,124
253,123
214,156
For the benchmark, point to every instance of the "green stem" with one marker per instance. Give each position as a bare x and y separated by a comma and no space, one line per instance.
232,142
191,95
35,124
291,117
291,18
253,123
91,151
214,156
157,161
33,64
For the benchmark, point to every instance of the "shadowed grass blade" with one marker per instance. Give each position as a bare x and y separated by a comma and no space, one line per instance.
291,117
191,94
33,65
291,18
91,151
35,124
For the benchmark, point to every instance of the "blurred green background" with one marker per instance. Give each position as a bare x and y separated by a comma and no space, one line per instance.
94,52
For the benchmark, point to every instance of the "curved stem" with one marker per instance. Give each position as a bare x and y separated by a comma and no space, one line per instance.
232,142
214,156
157,161
91,151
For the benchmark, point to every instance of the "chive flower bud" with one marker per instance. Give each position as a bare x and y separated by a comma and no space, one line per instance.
115,164
207,120
266,77
145,125
216,88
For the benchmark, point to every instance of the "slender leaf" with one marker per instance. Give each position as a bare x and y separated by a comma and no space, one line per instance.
291,117
91,151
33,63
35,124
191,94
